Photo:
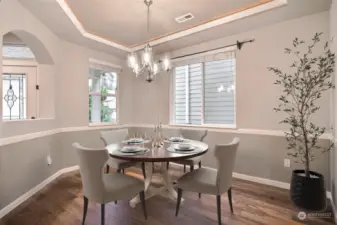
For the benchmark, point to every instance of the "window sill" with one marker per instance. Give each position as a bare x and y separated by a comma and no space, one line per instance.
214,126
103,124
27,120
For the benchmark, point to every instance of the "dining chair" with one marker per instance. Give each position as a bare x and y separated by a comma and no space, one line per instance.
197,135
103,188
117,136
211,181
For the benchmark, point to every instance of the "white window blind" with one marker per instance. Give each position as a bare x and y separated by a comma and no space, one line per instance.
205,92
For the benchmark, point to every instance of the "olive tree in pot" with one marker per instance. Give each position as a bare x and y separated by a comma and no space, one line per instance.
311,76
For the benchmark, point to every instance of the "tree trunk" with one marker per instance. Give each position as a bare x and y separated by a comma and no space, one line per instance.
307,161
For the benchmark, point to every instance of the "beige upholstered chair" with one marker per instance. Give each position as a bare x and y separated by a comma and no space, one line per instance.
197,135
210,181
104,188
115,136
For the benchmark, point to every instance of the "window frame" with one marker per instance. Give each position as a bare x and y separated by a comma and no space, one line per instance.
202,125
28,64
116,69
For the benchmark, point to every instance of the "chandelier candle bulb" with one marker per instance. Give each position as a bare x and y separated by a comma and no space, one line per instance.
148,65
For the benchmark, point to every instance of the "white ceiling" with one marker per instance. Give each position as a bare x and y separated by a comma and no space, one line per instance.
123,21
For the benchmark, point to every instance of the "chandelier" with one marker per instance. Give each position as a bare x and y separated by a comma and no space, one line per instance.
148,65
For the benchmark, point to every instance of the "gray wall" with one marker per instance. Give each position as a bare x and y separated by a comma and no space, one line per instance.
258,155
256,95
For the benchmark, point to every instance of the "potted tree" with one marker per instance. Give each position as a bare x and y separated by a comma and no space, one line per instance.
310,75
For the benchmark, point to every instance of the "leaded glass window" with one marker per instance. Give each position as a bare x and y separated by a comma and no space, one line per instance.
14,92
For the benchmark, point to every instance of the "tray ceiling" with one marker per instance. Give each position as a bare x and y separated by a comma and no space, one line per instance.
124,21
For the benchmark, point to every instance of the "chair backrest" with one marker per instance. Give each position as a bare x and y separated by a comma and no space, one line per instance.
91,163
167,133
225,155
114,136
197,135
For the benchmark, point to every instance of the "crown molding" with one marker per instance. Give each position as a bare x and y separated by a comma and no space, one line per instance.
259,7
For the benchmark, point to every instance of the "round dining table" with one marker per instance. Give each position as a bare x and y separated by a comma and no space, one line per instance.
163,154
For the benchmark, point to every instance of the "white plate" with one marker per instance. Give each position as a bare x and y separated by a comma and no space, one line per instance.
131,149
173,150
183,147
176,139
134,141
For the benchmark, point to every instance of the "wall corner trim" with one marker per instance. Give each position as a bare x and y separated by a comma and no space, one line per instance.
34,190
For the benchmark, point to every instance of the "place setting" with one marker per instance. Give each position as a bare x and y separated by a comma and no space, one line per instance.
181,146
132,150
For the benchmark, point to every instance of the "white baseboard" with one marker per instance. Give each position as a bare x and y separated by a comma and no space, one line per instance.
34,190
258,180
44,183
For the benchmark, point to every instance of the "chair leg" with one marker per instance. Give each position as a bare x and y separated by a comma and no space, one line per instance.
229,193
191,167
168,165
143,170
85,209
102,214
152,167
180,193
142,199
107,169
199,168
184,168
218,205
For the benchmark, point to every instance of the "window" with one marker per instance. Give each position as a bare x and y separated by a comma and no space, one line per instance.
102,95
204,92
18,85
17,52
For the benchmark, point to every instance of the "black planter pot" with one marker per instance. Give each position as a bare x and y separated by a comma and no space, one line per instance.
308,193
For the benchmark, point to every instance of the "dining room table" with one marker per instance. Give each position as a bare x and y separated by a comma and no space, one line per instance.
161,153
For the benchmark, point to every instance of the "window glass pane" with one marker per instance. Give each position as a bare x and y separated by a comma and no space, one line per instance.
181,100
95,80
17,51
102,96
195,93
108,109
205,92
14,102
109,83
219,92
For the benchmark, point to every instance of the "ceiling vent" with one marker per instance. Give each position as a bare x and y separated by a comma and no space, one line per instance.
184,18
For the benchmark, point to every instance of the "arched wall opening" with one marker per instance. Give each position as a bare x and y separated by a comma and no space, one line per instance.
28,74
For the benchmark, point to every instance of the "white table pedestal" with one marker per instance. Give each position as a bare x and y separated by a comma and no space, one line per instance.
167,190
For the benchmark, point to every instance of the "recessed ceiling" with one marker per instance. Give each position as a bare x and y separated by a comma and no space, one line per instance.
108,18
113,26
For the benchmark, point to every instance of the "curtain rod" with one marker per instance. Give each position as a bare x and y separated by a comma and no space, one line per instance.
238,44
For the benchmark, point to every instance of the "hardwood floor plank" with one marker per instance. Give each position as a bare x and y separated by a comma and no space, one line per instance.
61,203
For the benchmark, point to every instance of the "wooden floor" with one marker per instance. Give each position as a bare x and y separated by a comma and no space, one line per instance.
60,203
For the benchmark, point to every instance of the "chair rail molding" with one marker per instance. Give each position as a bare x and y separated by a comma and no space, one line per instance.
30,136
